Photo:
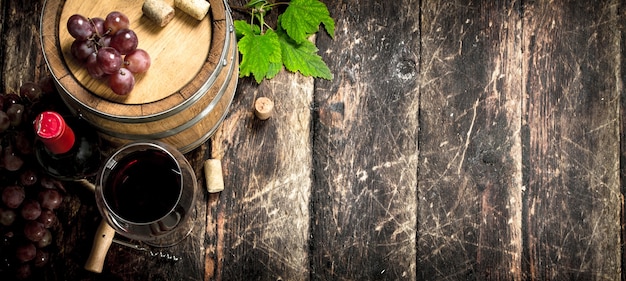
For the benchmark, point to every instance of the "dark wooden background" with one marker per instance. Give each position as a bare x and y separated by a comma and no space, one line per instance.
459,140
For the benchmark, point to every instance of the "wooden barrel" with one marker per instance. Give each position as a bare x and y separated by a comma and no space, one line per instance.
182,98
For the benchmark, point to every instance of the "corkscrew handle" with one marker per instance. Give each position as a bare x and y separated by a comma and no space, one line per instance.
101,243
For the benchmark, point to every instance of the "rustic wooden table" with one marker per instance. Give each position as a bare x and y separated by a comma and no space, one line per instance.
459,140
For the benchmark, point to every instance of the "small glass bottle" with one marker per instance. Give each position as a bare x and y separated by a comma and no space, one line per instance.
66,149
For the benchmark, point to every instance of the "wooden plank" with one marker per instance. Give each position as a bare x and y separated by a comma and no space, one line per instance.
470,148
572,84
262,216
365,144
21,59
622,137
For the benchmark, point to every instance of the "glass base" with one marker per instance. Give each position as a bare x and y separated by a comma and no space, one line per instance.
179,234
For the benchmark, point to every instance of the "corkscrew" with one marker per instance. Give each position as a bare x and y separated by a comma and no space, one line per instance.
158,254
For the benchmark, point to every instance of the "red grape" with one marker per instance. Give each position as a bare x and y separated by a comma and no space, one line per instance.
12,161
79,27
31,210
115,21
50,199
81,49
34,230
7,216
25,252
46,239
104,41
137,61
109,60
122,82
41,258
28,177
31,91
93,68
48,218
15,113
98,26
103,44
5,122
51,183
11,99
13,196
124,41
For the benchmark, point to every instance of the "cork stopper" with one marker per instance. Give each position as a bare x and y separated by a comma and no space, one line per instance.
263,108
213,175
195,8
54,132
158,11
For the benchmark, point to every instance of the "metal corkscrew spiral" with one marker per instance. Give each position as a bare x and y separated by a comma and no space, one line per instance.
158,254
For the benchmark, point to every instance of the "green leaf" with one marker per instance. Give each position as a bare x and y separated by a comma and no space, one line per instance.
302,57
243,28
302,18
274,69
259,54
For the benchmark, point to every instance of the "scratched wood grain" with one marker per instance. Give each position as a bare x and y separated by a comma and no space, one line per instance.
573,84
622,137
470,146
19,26
262,216
365,144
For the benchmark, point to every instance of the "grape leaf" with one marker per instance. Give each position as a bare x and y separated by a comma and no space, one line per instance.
302,57
244,28
302,18
274,69
259,53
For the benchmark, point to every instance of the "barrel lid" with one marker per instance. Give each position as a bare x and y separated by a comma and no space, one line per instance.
178,51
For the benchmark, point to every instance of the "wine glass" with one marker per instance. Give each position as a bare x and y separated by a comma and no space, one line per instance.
146,192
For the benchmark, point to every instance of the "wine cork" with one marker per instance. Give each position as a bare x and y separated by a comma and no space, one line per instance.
213,175
195,8
158,11
263,108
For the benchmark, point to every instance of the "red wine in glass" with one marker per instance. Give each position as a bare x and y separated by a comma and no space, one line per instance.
146,191
144,186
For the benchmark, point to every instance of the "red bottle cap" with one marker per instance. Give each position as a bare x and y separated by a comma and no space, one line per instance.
54,132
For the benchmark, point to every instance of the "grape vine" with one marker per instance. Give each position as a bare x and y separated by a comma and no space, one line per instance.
266,49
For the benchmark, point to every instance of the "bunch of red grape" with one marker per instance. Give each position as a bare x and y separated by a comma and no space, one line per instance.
29,198
108,49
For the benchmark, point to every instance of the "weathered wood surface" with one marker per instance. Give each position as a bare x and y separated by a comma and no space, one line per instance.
364,201
470,180
573,86
459,140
